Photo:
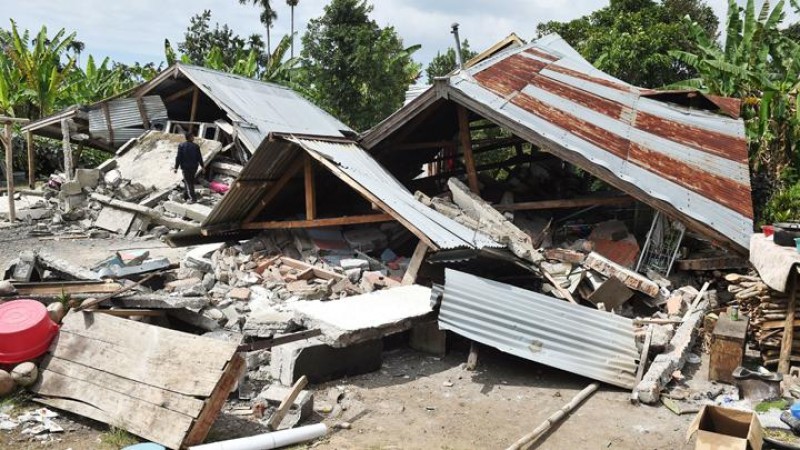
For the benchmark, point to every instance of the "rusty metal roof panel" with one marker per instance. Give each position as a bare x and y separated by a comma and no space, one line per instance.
530,325
261,108
691,162
362,169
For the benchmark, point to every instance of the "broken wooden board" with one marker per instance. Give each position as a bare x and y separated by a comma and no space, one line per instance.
630,278
114,220
58,288
718,263
163,385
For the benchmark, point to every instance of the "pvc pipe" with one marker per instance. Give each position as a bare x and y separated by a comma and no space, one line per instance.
268,441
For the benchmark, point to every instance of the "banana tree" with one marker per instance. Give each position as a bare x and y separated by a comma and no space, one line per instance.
45,76
95,82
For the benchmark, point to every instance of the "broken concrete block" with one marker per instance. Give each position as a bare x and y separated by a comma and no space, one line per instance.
611,293
109,164
26,266
301,408
256,359
56,311
114,220
34,214
132,192
354,263
631,279
240,293
69,188
660,338
112,178
179,285
193,211
25,374
88,178
265,323
428,338
6,288
320,362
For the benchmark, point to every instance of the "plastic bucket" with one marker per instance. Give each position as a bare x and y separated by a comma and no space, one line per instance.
25,331
768,230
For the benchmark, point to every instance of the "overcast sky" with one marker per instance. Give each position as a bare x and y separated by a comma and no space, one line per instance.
131,31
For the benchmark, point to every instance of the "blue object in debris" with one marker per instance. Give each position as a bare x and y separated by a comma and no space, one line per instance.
145,446
795,409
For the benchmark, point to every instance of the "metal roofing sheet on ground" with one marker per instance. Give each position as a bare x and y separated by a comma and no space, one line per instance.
261,108
362,169
581,340
696,161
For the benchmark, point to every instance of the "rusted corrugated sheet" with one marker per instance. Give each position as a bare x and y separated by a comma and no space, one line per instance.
694,162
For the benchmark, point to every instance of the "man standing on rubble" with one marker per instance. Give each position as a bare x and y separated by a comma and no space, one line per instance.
189,160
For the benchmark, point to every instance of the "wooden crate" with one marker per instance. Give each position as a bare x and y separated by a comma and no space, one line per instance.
727,348
162,385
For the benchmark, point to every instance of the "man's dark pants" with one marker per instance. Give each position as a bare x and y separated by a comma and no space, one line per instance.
188,184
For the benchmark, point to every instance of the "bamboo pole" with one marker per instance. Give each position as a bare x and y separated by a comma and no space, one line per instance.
533,436
31,161
9,144
788,328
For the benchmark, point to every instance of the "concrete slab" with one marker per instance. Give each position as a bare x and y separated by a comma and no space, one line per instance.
87,177
365,317
114,220
195,211
320,362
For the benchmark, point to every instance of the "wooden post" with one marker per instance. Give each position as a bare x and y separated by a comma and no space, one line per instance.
67,148
143,113
466,146
193,112
788,327
9,144
31,161
311,194
109,126
642,363
472,359
410,277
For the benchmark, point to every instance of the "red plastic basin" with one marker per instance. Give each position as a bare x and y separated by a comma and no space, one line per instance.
25,331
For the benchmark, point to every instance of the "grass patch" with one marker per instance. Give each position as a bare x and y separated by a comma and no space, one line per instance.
118,438
779,404
13,403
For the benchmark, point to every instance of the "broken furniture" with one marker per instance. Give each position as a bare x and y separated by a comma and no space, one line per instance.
163,385
727,348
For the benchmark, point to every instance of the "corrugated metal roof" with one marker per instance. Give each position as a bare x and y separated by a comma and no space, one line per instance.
125,116
260,108
362,169
581,340
350,162
696,161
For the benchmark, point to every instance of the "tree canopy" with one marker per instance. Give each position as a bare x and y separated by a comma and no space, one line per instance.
444,63
352,67
631,39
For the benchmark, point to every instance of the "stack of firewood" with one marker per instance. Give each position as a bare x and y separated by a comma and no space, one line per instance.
767,311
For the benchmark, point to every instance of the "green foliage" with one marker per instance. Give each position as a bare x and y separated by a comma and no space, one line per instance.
631,39
442,64
784,206
352,67
118,438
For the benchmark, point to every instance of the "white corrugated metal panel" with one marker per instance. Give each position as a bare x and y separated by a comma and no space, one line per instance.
686,161
581,340
361,168
126,117
261,108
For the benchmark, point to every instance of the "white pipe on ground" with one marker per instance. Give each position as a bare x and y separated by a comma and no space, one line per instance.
268,441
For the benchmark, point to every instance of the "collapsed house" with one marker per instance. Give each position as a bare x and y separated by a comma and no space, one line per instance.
309,252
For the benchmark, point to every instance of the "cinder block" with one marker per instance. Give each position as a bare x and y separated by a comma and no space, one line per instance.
320,362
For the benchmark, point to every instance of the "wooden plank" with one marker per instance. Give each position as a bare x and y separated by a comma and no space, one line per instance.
56,288
107,114
564,293
466,148
182,93
208,416
642,363
183,404
566,203
9,149
31,160
788,328
158,343
94,302
410,277
144,419
143,113
165,367
719,263
328,222
293,169
132,312
286,403
311,194
319,273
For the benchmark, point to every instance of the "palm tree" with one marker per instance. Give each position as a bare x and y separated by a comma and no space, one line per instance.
292,4
268,16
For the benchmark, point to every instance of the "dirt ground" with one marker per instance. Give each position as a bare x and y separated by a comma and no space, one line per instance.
416,401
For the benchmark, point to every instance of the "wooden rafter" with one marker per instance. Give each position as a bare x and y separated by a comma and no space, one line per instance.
193,112
179,94
567,203
276,189
328,222
143,112
466,144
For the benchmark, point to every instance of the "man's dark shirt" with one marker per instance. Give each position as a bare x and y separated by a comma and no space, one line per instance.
189,157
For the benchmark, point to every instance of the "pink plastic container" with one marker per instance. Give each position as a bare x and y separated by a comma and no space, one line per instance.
25,331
